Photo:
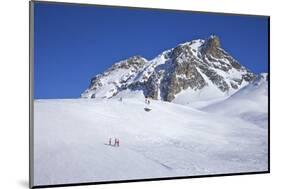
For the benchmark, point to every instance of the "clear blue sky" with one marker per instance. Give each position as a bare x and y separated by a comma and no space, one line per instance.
73,43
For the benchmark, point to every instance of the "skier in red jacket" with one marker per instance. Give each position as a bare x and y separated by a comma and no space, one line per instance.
116,142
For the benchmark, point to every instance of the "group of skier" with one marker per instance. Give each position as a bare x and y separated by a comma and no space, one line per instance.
116,142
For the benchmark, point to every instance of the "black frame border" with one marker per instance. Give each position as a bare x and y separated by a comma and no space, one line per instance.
31,97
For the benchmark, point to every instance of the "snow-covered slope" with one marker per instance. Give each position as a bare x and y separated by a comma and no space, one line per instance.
249,103
192,71
251,98
71,136
112,81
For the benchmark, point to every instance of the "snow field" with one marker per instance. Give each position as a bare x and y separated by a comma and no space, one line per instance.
70,138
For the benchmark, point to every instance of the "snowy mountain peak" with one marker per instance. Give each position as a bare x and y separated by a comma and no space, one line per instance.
214,41
134,61
192,71
212,47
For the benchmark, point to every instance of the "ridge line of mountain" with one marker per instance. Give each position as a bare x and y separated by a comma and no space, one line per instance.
191,69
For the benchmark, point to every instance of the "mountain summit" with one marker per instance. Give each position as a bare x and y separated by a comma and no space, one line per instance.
192,71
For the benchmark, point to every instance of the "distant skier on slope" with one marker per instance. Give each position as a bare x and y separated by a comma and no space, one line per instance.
147,102
116,142
109,142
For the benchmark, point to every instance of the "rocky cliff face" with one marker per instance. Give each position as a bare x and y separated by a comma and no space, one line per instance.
189,67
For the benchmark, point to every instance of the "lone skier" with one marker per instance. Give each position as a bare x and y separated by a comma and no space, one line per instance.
116,142
147,102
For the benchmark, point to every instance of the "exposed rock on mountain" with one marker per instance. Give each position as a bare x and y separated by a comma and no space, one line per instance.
196,70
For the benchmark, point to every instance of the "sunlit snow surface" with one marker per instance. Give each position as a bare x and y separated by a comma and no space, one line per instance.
70,137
